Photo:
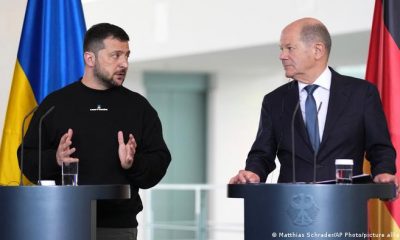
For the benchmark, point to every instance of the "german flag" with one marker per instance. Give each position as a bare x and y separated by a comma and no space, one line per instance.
383,69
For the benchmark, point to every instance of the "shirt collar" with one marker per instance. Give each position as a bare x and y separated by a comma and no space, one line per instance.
323,81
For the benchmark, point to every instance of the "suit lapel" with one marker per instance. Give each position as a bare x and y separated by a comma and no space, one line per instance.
299,126
338,98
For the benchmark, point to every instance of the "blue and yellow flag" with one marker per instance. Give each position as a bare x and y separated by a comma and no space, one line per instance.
50,56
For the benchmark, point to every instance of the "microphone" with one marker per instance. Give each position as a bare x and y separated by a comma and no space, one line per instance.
293,146
21,153
316,152
40,144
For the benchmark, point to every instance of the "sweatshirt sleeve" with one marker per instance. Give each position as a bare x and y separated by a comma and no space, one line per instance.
152,157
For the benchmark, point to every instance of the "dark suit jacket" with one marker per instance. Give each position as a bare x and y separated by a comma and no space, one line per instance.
355,125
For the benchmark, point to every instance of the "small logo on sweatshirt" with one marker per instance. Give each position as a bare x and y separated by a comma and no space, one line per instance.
99,108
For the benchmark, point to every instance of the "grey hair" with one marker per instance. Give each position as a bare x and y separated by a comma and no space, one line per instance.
311,33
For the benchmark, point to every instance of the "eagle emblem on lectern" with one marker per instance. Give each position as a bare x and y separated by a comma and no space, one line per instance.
302,209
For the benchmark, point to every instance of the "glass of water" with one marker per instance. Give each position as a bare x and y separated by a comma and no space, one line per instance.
70,174
344,171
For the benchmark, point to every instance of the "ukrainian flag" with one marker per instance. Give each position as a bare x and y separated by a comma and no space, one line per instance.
50,56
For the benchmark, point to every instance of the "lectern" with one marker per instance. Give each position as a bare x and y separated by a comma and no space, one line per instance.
307,211
53,212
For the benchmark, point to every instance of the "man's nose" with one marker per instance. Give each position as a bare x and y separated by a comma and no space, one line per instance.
124,63
283,55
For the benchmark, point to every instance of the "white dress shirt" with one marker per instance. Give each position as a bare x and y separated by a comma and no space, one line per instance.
321,96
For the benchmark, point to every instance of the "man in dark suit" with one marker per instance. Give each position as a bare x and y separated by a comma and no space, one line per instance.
334,117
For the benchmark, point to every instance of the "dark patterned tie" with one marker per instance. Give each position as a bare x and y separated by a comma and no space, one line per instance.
312,117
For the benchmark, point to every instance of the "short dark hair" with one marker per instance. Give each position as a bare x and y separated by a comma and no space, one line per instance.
95,36
316,32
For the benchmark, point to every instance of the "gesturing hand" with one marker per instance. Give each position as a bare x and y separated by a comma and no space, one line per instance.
64,149
126,151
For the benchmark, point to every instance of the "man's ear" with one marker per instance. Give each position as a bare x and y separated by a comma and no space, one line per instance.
319,50
90,59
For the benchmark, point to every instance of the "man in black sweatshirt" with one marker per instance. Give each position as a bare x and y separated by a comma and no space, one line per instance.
114,133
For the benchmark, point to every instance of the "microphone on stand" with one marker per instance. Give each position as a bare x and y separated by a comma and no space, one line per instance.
21,153
316,152
40,144
293,146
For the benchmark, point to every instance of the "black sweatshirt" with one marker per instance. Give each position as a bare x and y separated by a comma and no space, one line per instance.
96,116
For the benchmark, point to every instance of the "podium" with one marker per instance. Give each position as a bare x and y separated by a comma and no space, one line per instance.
53,212
307,211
